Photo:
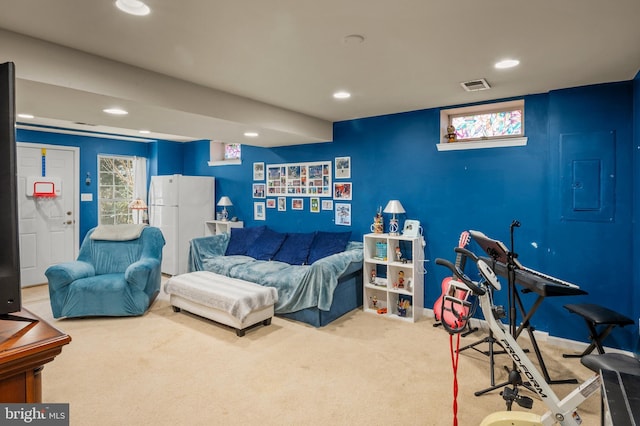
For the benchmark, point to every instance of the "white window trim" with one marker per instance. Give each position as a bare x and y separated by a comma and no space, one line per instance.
224,162
489,143
500,142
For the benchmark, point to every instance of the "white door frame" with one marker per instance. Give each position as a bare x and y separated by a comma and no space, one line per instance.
76,184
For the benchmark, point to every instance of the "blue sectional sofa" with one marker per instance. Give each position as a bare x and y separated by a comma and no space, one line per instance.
318,275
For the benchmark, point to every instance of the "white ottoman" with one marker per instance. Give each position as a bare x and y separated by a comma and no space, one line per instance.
236,303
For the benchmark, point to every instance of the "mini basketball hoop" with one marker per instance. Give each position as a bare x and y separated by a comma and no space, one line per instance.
44,190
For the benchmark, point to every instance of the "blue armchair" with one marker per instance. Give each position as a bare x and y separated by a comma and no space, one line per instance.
117,273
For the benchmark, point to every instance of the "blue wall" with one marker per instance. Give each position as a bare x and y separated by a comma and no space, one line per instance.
90,148
634,291
164,158
395,157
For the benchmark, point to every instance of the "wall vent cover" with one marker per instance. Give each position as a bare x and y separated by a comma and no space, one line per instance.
475,85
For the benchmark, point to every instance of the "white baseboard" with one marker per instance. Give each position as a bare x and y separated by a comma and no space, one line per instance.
541,336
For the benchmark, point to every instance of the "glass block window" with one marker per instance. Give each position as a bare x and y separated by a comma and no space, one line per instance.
232,151
486,125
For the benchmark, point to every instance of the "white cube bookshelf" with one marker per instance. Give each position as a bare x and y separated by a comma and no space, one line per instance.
398,283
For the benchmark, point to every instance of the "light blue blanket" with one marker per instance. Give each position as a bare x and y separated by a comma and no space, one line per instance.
299,286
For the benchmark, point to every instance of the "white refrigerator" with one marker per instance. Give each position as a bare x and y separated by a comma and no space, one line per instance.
179,206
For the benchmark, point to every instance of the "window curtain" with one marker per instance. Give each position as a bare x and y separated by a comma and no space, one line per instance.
139,187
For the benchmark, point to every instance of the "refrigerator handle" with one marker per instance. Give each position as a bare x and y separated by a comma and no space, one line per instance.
152,202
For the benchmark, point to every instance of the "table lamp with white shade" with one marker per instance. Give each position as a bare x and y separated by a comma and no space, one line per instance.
138,206
394,207
225,202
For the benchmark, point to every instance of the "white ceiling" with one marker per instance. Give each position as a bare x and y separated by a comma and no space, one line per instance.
211,69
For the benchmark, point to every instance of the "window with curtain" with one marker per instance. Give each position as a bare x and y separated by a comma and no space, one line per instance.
122,179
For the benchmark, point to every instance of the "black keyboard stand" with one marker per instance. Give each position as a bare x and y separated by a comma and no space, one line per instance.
498,252
526,325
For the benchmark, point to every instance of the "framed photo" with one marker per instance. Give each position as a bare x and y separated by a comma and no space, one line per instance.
297,204
342,191
343,168
327,204
259,190
315,205
271,203
282,204
259,211
343,214
258,171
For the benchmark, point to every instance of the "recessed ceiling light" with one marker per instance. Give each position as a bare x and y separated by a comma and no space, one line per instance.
133,7
342,95
115,111
146,132
251,134
507,63
26,116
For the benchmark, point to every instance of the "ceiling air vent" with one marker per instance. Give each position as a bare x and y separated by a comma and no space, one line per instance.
475,85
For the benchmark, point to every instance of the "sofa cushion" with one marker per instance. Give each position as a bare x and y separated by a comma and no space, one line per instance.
266,245
295,248
243,238
327,243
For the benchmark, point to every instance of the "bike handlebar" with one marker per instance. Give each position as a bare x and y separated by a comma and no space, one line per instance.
467,253
473,286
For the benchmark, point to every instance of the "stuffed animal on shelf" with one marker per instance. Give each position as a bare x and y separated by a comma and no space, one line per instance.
378,223
451,135
374,302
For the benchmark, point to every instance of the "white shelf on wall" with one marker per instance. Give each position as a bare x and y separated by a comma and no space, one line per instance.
213,227
224,162
489,143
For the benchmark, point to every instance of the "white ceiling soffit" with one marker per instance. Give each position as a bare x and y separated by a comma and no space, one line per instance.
174,109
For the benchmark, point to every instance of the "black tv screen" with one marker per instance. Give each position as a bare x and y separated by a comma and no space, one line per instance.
10,291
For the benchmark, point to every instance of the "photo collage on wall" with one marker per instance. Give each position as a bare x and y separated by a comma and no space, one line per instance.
299,180
287,186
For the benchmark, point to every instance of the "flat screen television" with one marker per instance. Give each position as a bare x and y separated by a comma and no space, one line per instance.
10,289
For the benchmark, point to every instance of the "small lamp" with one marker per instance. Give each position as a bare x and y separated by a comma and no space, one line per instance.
138,206
394,207
225,202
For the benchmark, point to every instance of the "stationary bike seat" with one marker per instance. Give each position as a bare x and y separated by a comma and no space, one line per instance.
511,418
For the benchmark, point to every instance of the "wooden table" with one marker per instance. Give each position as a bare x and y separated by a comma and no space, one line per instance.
24,349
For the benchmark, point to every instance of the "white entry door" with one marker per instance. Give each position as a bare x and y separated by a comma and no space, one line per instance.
48,226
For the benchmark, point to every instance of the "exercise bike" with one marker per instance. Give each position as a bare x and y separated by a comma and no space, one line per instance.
561,412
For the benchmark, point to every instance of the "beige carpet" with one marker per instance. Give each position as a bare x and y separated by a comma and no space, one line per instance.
167,368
